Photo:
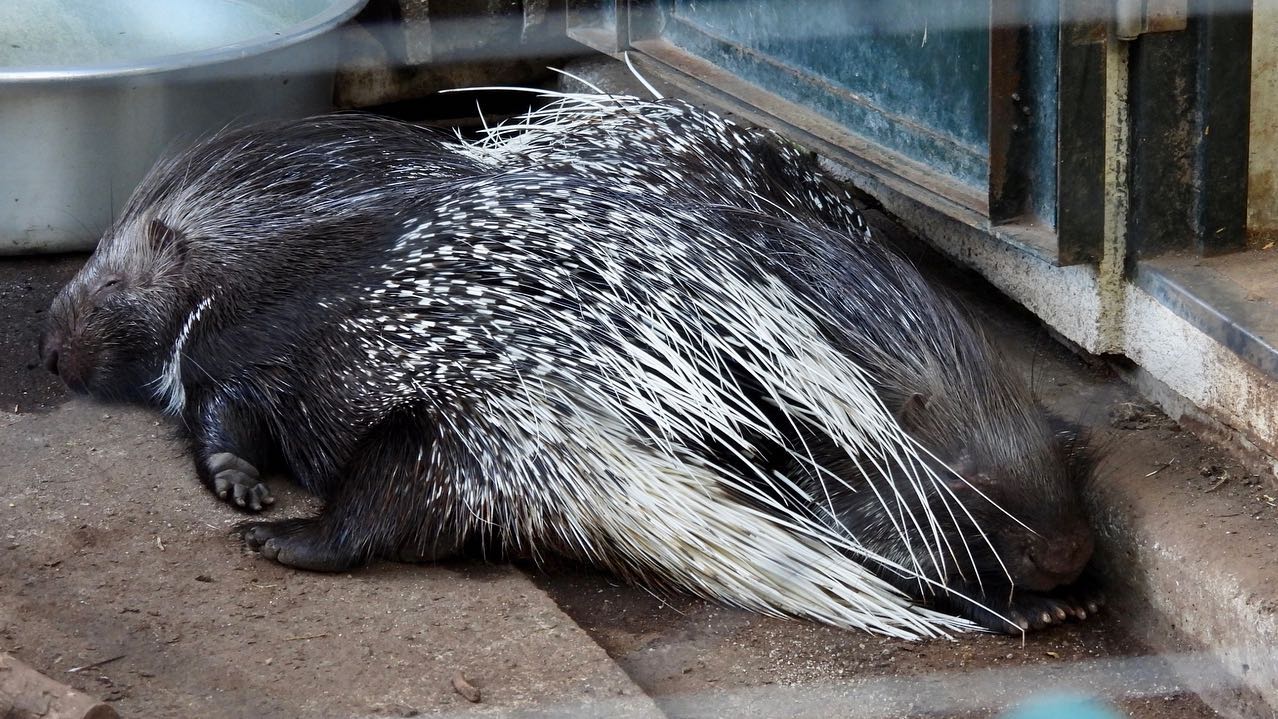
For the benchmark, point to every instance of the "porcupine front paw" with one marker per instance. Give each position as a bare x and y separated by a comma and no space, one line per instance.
1032,611
298,543
237,482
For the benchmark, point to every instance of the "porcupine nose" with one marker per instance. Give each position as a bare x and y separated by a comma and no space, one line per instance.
69,365
1061,562
50,349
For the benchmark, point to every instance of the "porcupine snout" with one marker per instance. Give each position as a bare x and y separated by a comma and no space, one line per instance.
72,366
79,329
50,348
1058,562
1062,561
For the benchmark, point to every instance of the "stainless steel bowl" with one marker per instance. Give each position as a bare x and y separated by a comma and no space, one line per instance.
90,97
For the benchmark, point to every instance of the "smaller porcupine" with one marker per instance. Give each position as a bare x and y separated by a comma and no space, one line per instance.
532,362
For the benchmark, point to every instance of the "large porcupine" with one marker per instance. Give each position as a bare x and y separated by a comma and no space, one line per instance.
531,361
957,396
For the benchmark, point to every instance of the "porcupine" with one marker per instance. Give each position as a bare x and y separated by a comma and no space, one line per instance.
426,362
959,397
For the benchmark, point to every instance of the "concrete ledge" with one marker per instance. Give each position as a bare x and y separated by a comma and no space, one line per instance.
114,556
1238,397
1198,577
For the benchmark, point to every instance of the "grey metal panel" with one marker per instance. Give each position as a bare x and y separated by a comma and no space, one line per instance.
1081,133
910,75
1039,110
997,101
1190,98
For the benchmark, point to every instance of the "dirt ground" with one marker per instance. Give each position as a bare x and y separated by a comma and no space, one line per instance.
123,579
27,286
113,559
701,660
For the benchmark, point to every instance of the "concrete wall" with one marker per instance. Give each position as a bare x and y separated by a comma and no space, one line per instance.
1262,200
409,49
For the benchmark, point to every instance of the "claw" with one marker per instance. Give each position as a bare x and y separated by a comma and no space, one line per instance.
236,482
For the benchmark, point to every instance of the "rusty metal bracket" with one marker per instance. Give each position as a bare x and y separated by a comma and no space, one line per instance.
1133,18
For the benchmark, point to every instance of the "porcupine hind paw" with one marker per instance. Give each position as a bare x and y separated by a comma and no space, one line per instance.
237,482
1083,598
300,543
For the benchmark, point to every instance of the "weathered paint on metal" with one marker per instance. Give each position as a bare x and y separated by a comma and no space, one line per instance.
1223,103
1039,109
1111,281
1080,165
1190,97
967,91
1262,185
1008,174
911,76
1163,144
1024,112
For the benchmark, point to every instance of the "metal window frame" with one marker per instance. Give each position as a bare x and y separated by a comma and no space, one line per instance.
1073,236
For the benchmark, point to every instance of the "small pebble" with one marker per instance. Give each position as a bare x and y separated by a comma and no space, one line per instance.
465,688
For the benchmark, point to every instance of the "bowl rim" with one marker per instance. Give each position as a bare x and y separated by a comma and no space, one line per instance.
335,13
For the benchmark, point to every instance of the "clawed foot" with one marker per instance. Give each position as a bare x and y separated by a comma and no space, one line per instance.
1030,611
1033,612
298,543
237,482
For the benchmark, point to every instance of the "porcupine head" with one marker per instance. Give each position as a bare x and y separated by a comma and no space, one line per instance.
110,328
113,329
199,229
1019,474
1003,523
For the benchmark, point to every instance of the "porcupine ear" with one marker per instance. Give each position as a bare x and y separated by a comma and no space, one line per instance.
912,416
166,240
913,412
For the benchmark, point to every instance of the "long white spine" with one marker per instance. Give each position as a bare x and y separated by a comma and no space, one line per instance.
168,386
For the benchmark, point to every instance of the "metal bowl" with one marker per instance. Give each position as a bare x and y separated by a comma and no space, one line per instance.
91,97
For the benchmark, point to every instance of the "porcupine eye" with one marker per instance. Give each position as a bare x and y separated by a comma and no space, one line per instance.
105,289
